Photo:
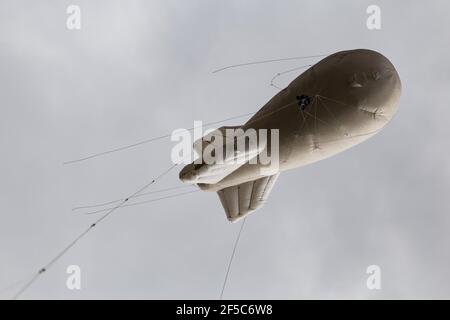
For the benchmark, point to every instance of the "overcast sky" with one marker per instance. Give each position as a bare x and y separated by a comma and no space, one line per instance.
139,69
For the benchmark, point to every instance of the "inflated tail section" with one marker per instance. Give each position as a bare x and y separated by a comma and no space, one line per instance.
240,200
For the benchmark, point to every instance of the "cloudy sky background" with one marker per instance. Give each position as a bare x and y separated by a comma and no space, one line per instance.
139,69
